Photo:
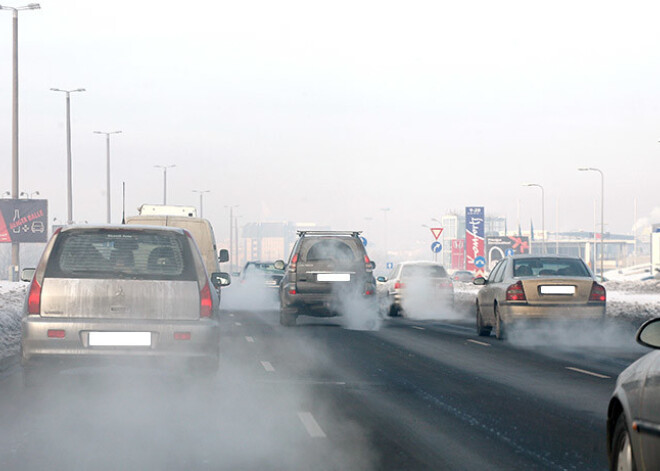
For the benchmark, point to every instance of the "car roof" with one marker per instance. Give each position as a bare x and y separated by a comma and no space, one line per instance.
119,227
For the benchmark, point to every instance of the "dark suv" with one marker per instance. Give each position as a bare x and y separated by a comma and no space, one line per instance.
328,272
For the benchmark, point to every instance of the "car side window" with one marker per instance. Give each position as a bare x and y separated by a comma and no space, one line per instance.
495,274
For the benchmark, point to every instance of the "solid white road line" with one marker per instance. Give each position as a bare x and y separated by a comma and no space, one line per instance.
478,342
591,373
238,324
249,339
311,425
417,327
267,366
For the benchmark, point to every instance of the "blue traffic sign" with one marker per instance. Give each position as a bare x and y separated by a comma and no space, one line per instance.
364,240
436,247
480,262
509,252
389,265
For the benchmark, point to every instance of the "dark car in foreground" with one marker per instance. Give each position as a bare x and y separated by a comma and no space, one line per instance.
121,293
633,417
532,288
328,274
256,274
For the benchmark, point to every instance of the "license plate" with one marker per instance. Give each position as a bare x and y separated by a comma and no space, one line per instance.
120,339
557,289
333,277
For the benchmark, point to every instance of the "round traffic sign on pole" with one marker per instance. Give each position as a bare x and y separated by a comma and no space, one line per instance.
480,262
436,247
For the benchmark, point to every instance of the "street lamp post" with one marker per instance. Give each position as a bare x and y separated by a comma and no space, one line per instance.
602,212
15,247
201,201
107,168
231,237
165,167
542,210
69,190
29,194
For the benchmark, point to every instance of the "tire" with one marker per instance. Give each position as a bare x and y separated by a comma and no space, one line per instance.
288,317
500,330
622,456
482,330
395,311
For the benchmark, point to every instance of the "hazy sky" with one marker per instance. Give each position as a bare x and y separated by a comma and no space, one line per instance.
329,111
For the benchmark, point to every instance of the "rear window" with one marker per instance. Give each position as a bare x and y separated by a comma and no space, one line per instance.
145,255
549,267
330,249
426,271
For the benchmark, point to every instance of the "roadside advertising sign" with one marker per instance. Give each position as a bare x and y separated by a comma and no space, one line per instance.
458,254
474,237
23,221
499,247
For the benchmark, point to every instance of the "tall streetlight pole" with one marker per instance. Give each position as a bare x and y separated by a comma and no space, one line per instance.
107,168
69,190
542,210
165,167
201,201
231,237
15,246
602,212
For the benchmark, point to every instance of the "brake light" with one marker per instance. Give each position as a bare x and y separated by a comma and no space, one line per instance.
515,292
294,261
56,333
292,291
205,301
34,298
598,293
182,336
398,285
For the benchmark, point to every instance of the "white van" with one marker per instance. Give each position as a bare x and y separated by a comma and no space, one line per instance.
201,230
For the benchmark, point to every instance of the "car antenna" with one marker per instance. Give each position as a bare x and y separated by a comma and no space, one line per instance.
123,202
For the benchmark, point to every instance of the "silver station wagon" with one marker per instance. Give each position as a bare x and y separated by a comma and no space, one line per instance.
532,288
120,293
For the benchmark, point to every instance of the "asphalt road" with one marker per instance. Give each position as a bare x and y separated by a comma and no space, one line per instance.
413,395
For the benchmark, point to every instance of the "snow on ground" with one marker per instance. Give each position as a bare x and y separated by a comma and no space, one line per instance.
635,301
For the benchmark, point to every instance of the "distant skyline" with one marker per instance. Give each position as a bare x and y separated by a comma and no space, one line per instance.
327,112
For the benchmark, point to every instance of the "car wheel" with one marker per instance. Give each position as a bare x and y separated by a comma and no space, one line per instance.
622,457
482,330
395,311
288,316
500,331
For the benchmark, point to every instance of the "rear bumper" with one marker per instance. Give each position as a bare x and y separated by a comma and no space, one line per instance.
514,312
327,304
199,339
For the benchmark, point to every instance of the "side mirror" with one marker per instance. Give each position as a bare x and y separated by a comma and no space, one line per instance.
479,281
372,265
381,279
279,265
649,334
223,256
220,279
27,274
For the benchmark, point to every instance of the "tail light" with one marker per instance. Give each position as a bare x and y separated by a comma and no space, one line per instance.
597,294
515,292
398,285
367,263
446,284
294,262
205,301
34,298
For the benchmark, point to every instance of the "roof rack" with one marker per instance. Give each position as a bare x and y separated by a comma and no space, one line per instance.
352,233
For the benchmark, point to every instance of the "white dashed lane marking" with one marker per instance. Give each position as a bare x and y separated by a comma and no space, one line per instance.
590,373
417,327
267,366
238,324
484,344
311,425
249,339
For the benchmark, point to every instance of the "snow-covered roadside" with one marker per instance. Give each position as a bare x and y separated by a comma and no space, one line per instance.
12,296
